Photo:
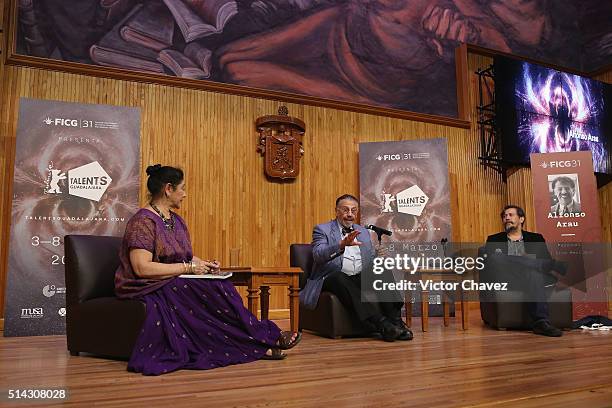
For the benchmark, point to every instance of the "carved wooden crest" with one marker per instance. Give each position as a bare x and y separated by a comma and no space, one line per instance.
280,142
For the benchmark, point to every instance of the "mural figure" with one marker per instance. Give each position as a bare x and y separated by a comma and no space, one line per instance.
389,53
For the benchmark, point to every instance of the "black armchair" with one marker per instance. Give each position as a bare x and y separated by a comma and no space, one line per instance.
508,309
330,318
97,322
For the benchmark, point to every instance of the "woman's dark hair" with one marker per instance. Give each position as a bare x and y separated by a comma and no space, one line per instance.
159,176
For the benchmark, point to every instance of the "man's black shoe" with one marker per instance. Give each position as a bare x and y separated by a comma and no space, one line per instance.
405,332
388,330
544,328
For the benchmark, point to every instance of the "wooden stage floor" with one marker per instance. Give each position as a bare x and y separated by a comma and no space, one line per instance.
445,367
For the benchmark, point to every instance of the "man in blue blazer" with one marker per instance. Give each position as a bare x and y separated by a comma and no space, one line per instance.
342,250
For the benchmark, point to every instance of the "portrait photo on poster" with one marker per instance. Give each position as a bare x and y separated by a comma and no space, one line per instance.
564,193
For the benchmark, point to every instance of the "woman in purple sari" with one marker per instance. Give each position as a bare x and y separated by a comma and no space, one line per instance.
190,323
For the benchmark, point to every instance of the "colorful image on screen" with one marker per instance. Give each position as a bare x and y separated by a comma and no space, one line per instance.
542,110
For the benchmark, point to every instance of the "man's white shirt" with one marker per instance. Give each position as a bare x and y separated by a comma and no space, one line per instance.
351,259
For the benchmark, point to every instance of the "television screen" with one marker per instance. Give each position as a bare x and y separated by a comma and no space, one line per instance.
541,110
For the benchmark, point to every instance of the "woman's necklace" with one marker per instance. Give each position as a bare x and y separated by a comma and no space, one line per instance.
168,222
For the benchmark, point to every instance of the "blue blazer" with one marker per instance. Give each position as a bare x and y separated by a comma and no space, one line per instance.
328,258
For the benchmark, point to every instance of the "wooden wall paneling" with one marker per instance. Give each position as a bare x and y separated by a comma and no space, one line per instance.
212,136
605,77
482,192
8,119
520,192
4,165
462,76
479,191
605,193
230,203
605,203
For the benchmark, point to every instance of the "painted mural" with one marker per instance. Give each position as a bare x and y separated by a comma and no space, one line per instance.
388,53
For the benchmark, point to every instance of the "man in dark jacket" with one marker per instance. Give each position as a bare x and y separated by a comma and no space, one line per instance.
531,276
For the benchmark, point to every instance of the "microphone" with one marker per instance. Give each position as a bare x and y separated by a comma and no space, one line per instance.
378,230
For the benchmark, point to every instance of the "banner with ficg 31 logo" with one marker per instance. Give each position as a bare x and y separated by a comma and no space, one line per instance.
77,171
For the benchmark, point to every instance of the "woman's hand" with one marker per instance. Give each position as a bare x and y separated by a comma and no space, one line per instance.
202,267
215,266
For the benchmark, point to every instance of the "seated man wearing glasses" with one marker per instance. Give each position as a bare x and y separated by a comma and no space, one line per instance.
342,250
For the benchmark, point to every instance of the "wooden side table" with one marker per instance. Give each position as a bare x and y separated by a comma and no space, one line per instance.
438,275
258,280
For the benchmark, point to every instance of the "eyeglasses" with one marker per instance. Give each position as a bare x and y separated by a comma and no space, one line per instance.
346,210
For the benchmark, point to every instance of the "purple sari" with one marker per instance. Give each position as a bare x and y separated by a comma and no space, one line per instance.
190,323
